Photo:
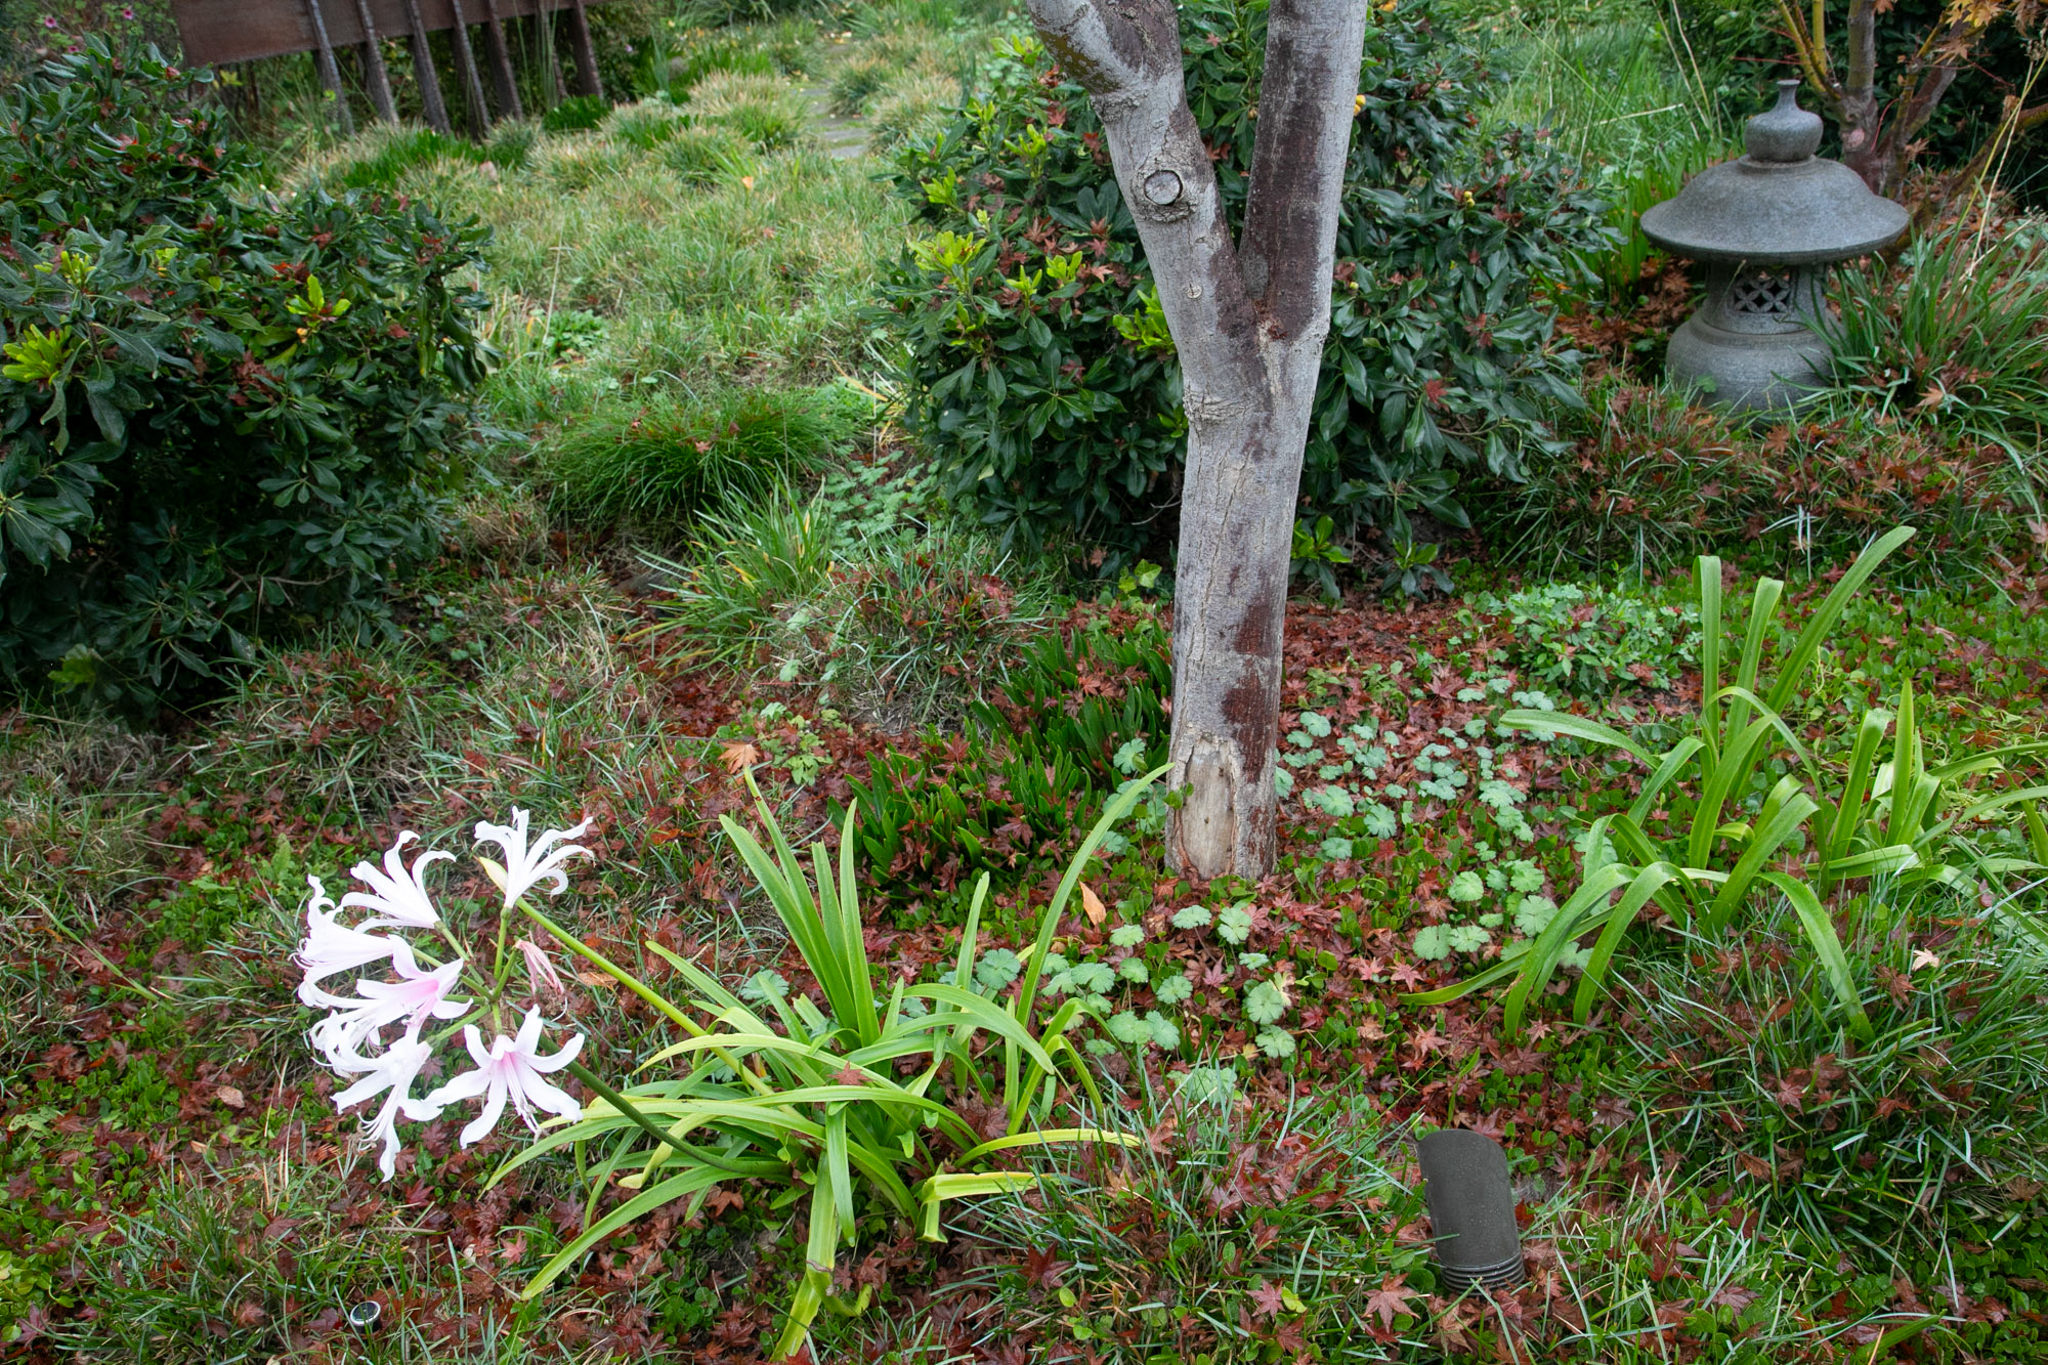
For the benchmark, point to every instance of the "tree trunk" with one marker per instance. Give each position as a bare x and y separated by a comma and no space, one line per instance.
1248,322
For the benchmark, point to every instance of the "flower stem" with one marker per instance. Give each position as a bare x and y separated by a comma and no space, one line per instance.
619,1102
631,1111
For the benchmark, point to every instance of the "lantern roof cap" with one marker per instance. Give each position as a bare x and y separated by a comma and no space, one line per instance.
1778,204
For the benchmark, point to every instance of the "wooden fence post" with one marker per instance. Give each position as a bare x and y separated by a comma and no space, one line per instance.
423,68
330,74
586,54
503,84
465,70
375,77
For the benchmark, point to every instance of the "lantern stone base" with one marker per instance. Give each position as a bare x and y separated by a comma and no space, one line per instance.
1748,371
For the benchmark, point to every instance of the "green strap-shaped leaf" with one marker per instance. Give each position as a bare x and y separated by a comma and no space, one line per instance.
1856,787
1578,727
1824,616
645,1202
1672,764
1543,956
836,1166
939,1188
1708,575
821,1255
1046,1137
1900,826
1785,810
1763,610
1827,946
1646,885
2018,796
1732,774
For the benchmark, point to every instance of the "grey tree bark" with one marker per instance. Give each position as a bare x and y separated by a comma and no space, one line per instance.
1248,320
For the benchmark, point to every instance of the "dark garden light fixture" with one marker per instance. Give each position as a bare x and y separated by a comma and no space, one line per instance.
1472,1208
1767,224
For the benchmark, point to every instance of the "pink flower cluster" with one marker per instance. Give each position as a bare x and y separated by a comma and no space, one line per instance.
355,1038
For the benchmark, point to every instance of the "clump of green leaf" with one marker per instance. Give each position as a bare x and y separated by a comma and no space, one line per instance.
803,1098
656,457
1591,640
1761,825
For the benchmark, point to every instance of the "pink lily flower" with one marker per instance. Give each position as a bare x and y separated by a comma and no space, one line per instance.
391,1072
330,946
510,1069
526,867
397,895
362,1018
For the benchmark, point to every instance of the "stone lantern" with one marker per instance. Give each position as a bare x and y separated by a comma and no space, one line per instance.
1767,224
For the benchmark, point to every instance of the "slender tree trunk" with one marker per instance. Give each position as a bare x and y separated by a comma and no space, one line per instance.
1248,321
1857,106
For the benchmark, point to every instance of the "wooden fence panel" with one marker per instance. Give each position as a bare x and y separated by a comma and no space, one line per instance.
217,31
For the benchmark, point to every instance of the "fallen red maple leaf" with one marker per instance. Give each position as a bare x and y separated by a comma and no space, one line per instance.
1390,1300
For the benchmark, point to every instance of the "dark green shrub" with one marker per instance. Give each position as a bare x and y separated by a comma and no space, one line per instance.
1039,365
657,458
115,140
220,418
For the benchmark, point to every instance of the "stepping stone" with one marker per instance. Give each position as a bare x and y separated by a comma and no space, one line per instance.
844,139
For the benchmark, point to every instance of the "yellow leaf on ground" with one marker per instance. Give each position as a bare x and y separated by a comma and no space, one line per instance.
738,755
1092,904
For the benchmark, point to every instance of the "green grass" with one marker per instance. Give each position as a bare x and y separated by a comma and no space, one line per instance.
656,458
1625,97
1886,1146
1952,334
897,623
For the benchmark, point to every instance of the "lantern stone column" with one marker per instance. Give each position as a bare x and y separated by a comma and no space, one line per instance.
1767,226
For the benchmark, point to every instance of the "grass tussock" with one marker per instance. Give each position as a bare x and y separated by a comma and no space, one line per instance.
898,625
767,110
658,460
